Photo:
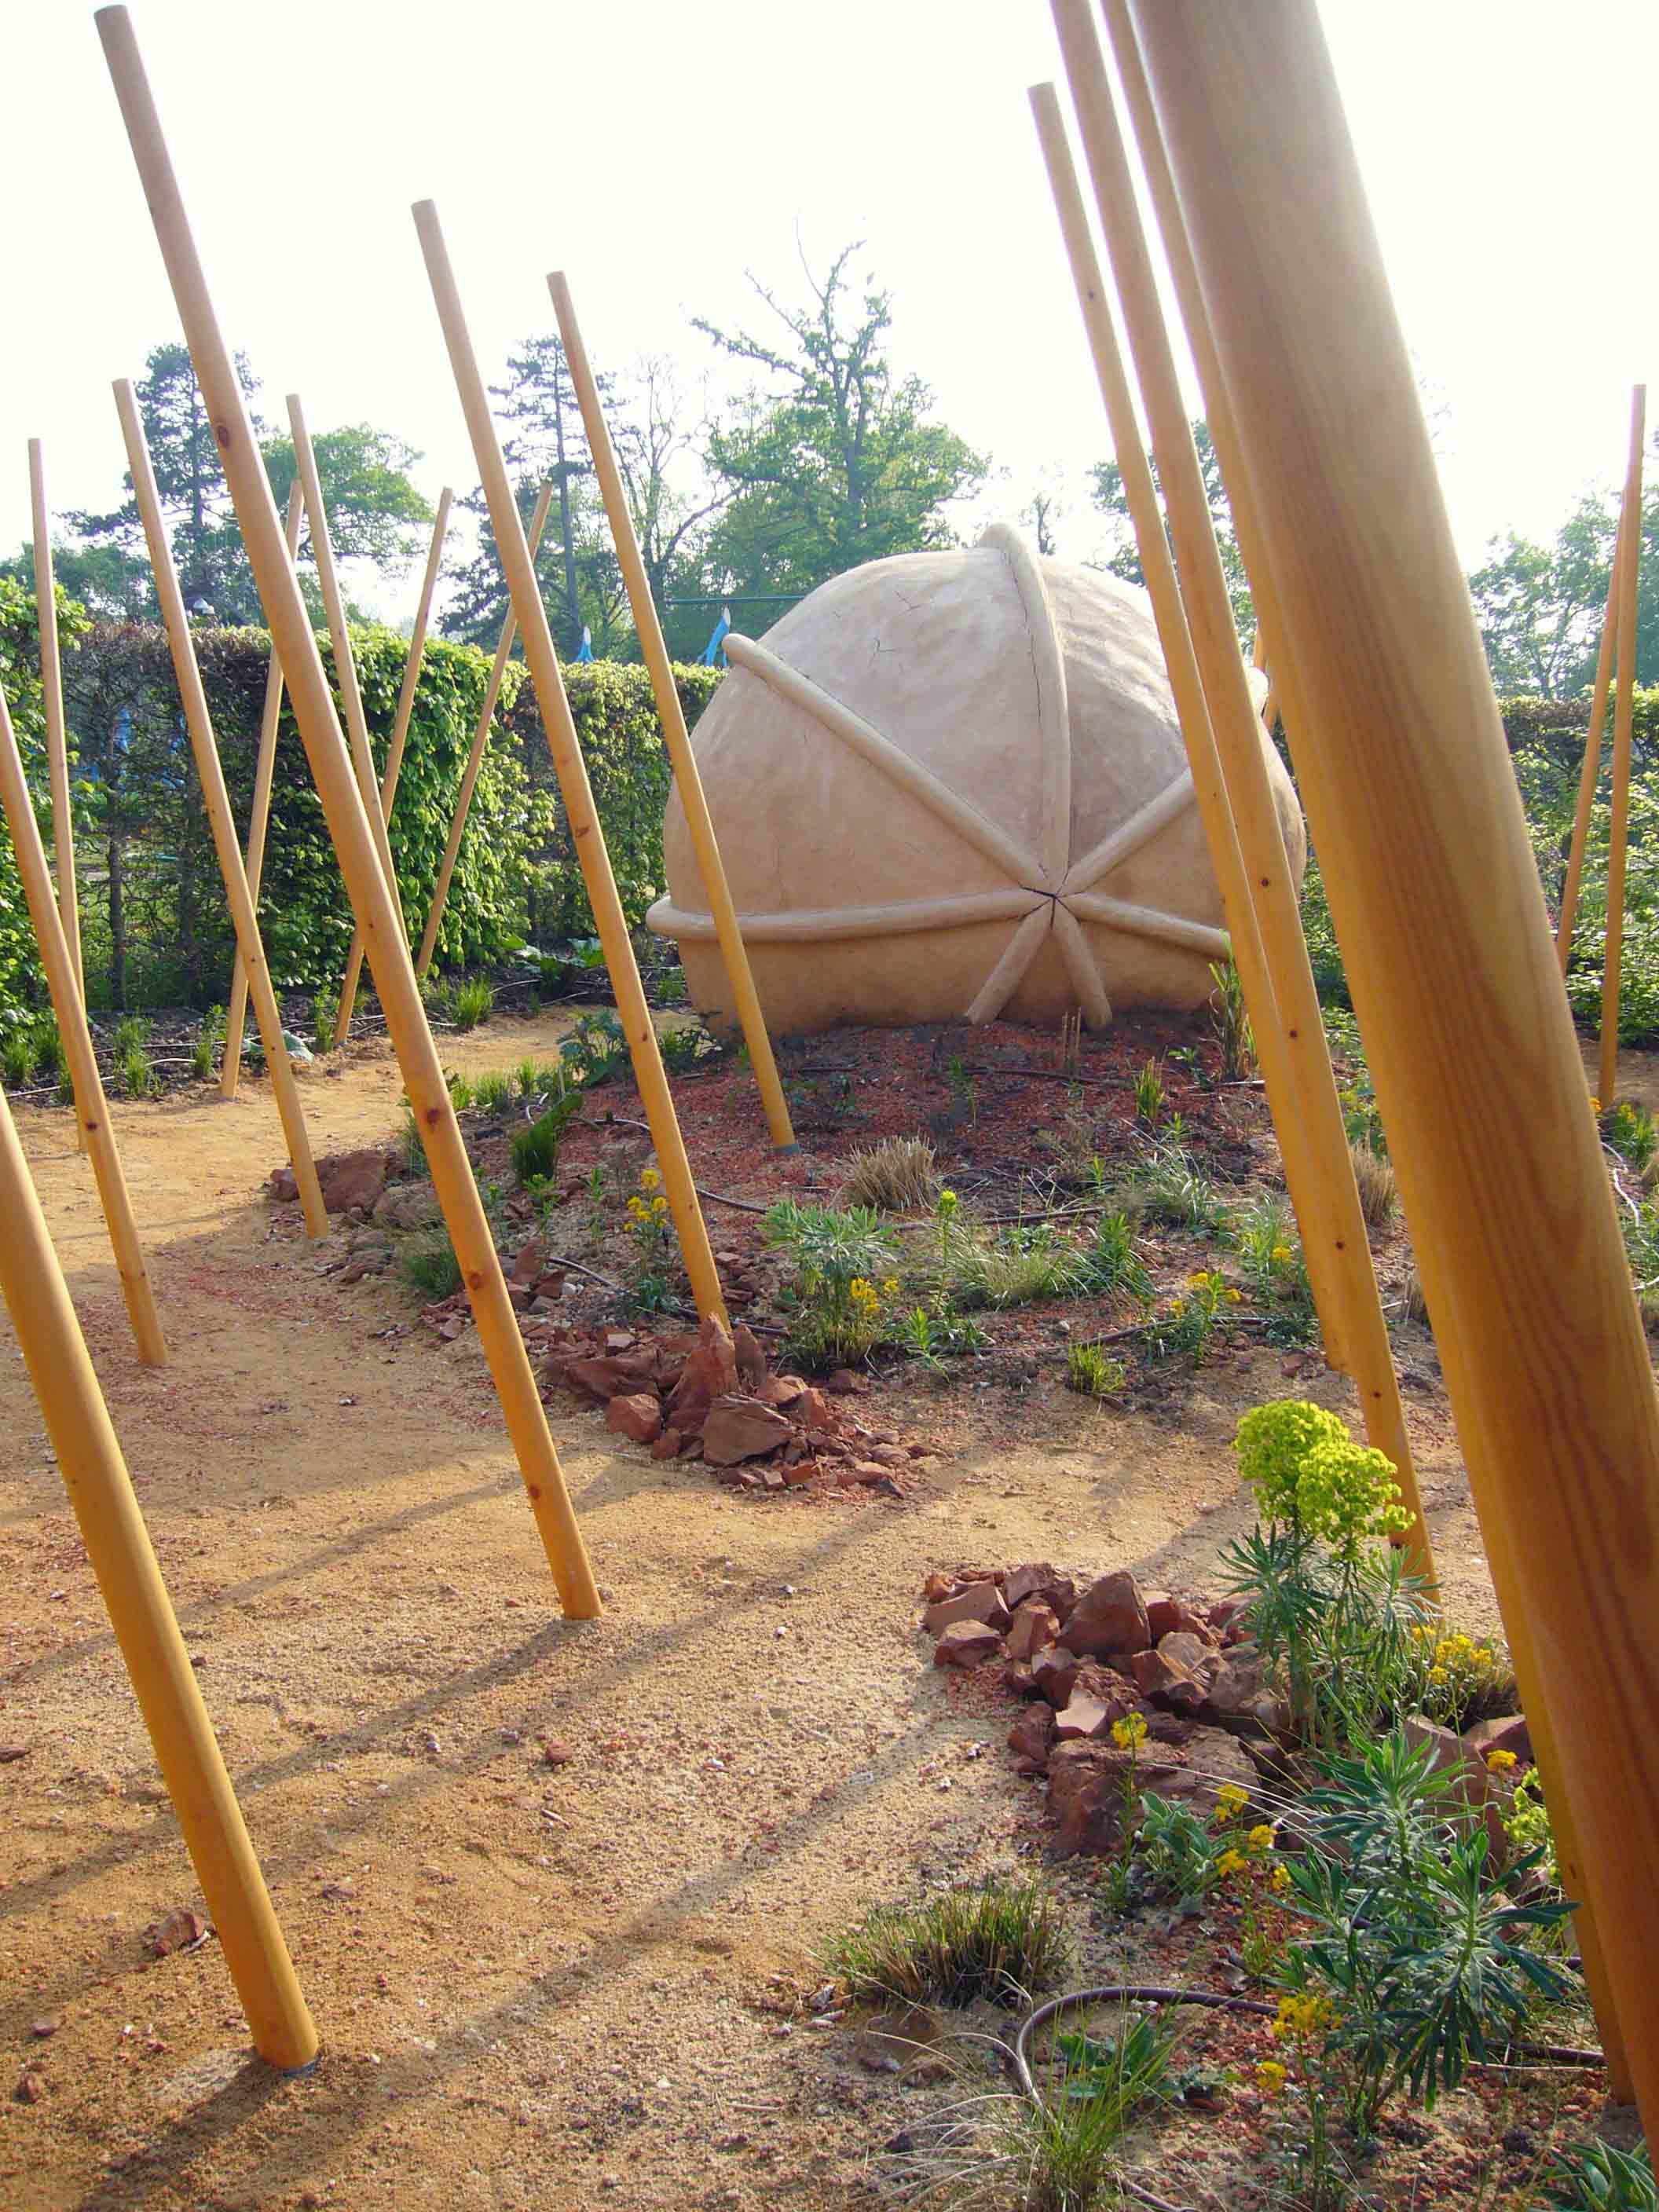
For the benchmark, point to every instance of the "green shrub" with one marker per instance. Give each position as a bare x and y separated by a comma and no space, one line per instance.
207,1044
51,1059
681,1048
845,1293
427,1264
136,1072
1632,1131
474,1002
1597,2177
1149,1094
535,1148
1093,1372
493,1092
1013,1269
1270,1254
1001,1941
17,1059
1230,1022
325,1012
1112,1266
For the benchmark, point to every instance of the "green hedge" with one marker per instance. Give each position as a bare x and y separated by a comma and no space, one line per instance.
154,922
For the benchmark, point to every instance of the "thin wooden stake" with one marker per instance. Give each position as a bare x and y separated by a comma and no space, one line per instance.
1590,773
52,686
1619,842
258,822
117,1543
1209,784
1339,1221
475,758
394,758
1236,476
1441,917
671,715
354,839
216,800
339,632
586,832
91,1109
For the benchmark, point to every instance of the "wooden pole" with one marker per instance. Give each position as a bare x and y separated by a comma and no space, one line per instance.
339,632
258,821
1339,1221
52,685
671,715
475,758
394,758
1591,774
1442,921
586,833
348,825
1236,475
216,800
117,1543
91,1109
1619,842
1209,784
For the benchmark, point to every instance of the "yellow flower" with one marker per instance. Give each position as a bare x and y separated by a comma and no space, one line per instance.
1177,1307
1130,1733
1439,1674
890,1286
649,1178
659,1207
1499,1762
1281,1255
1234,1297
1230,1864
1231,1801
1260,1841
1272,2076
1280,1877
1307,2014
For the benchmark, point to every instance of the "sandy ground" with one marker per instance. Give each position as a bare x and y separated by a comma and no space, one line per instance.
534,1987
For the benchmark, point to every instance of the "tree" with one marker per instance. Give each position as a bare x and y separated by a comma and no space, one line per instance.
1541,608
835,461
1109,497
373,508
111,585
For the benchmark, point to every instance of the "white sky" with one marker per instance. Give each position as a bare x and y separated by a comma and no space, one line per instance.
656,150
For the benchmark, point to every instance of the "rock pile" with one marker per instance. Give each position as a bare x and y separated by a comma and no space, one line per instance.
709,1396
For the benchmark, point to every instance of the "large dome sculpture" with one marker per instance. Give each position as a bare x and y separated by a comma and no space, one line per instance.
953,784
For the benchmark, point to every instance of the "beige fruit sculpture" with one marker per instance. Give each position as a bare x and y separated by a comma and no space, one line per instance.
953,784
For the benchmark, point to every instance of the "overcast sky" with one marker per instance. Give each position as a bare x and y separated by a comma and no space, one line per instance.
656,150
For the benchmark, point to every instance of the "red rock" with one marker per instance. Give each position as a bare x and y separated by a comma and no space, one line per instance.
622,1339
666,1445
638,1415
1056,1673
1036,1578
981,1602
1234,1691
1085,1715
1177,1672
355,1178
175,1931
556,1752
1086,1784
874,1474
1035,1627
780,1391
1228,1614
812,1410
967,1644
31,2087
47,2024
842,1383
936,1587
602,1379
772,1478
751,1360
801,1472
738,1428
1509,1733
1109,1620
1030,1736
550,1285
1171,1616
710,1372
531,1264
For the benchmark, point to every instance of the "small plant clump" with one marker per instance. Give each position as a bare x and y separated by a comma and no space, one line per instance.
134,1068
1270,1253
427,1262
1379,1193
207,1044
651,1234
1001,1941
1093,1372
1112,1268
474,1001
17,1059
1149,1094
683,1048
325,1012
535,1148
51,1061
1230,1023
493,1092
1596,2177
1631,1131
846,1289
895,1177
1182,1328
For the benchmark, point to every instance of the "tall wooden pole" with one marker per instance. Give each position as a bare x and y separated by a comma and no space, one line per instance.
1235,475
586,831
1209,784
1619,842
1339,1221
258,822
475,758
91,1109
52,685
348,825
1590,773
671,715
394,758
1441,918
339,632
117,1543
216,800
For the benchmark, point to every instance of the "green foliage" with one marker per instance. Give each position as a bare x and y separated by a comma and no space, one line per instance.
681,1048
1011,1268
325,1012
1059,2153
411,1149
1632,1131
1309,1475
51,1059
845,1284
1001,1941
474,1001
1461,1680
1183,1327
1230,1022
493,1092
135,1071
1172,1187
593,1051
535,1148
1112,1266
1596,2177
1175,1856
1093,1372
1271,1256
427,1264
897,1176
208,1043
17,1059
1149,1094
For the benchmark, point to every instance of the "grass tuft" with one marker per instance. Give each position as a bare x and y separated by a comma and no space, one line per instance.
895,1177
1379,1194
493,1092
427,1262
535,1148
1092,1372
473,1002
1001,1941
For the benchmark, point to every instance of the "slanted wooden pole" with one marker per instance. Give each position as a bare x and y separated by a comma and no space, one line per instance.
475,758
586,833
1218,410
1590,773
348,825
1619,842
1339,1221
394,758
1441,922
91,1109
339,632
216,800
52,686
258,822
117,1543
1209,784
671,715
